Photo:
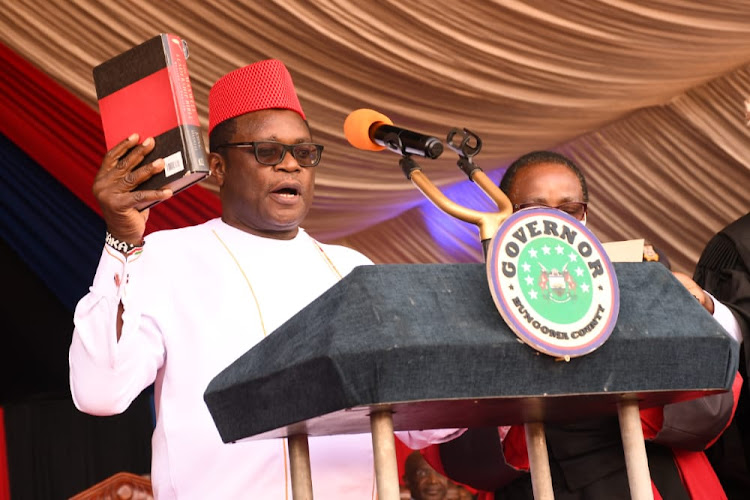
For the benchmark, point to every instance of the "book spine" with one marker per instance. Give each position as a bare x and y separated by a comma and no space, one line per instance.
187,113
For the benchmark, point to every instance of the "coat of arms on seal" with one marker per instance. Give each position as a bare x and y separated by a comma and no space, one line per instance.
553,283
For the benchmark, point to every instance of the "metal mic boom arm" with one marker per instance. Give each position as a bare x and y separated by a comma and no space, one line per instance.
487,222
467,148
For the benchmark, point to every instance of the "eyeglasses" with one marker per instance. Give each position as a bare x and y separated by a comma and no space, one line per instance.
575,209
272,153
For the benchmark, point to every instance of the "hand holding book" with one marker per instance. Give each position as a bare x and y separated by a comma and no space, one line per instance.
122,170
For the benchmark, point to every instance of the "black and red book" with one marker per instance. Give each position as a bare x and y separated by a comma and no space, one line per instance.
147,90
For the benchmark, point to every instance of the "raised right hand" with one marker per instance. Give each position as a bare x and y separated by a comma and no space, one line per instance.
114,183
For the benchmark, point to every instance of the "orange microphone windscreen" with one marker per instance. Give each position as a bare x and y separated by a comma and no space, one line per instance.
357,128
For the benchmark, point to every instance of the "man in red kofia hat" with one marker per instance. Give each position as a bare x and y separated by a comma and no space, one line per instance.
177,307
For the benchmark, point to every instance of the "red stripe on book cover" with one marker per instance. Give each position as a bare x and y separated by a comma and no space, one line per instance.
146,107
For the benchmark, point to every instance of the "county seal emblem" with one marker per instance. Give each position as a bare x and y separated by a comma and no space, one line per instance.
552,282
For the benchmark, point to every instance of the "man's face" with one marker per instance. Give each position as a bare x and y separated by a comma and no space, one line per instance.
260,199
549,184
425,483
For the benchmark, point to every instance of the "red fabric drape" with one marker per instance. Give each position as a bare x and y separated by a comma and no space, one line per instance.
4,483
64,135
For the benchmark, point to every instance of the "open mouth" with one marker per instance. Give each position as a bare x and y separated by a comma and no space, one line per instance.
287,192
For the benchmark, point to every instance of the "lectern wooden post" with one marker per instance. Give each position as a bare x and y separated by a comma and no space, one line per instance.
384,451
634,446
299,464
541,477
426,342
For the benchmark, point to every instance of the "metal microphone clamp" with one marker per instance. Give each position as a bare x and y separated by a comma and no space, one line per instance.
470,145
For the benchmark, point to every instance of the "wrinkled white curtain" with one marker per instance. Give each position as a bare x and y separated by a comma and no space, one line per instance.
647,96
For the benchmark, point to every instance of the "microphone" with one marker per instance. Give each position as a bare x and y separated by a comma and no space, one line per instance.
372,131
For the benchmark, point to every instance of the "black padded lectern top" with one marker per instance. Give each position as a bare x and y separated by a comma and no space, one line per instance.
426,341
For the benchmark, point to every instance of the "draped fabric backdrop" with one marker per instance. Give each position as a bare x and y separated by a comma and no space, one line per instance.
647,96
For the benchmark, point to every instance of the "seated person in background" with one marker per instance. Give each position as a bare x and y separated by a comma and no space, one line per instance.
423,481
586,458
724,270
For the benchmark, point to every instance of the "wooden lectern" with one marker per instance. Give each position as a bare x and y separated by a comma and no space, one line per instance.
422,346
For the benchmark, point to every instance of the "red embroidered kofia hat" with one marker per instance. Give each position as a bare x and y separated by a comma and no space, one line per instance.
262,85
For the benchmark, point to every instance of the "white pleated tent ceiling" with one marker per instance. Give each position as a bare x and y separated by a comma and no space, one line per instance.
646,96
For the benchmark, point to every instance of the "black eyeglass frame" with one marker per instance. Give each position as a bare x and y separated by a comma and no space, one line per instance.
286,148
584,204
